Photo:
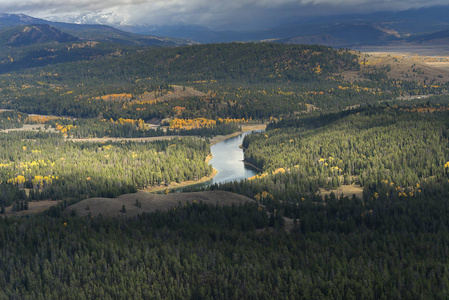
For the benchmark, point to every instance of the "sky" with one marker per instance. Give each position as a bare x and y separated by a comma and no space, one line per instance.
215,14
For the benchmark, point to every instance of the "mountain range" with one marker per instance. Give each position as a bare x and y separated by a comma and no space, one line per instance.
429,26
351,30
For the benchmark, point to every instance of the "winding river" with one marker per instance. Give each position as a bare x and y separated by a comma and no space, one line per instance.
228,161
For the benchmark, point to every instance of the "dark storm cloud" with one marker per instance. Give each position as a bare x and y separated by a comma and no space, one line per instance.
212,13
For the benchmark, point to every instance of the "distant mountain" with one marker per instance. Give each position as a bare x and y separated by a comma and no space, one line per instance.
347,35
37,45
339,30
343,31
33,34
197,33
436,38
93,32
324,39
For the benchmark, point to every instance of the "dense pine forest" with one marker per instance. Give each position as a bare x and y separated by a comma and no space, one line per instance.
299,238
345,250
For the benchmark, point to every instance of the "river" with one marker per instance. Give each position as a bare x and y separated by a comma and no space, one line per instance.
228,161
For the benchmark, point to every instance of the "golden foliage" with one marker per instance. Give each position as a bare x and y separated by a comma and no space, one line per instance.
228,120
191,123
279,170
19,179
39,119
114,97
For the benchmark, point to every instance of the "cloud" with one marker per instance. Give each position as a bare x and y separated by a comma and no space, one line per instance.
211,13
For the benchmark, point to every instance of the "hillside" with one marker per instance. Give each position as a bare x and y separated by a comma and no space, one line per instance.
24,50
260,69
33,34
241,81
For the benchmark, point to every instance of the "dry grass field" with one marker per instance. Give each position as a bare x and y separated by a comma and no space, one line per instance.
33,208
151,202
180,92
405,65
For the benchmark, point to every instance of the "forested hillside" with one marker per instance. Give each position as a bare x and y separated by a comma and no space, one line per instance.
52,90
31,55
33,34
255,81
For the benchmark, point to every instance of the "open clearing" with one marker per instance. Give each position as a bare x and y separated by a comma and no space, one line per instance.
346,190
33,208
151,202
180,92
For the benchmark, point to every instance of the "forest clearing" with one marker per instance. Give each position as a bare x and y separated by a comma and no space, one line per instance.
34,207
345,190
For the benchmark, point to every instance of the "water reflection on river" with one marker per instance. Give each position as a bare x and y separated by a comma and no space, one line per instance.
228,160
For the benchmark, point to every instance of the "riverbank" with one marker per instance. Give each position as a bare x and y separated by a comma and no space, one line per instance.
213,141
252,166
245,128
183,184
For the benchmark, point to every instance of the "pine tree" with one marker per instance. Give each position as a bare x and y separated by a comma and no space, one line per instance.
138,203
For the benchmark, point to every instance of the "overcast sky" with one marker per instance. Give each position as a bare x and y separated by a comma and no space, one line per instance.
216,14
